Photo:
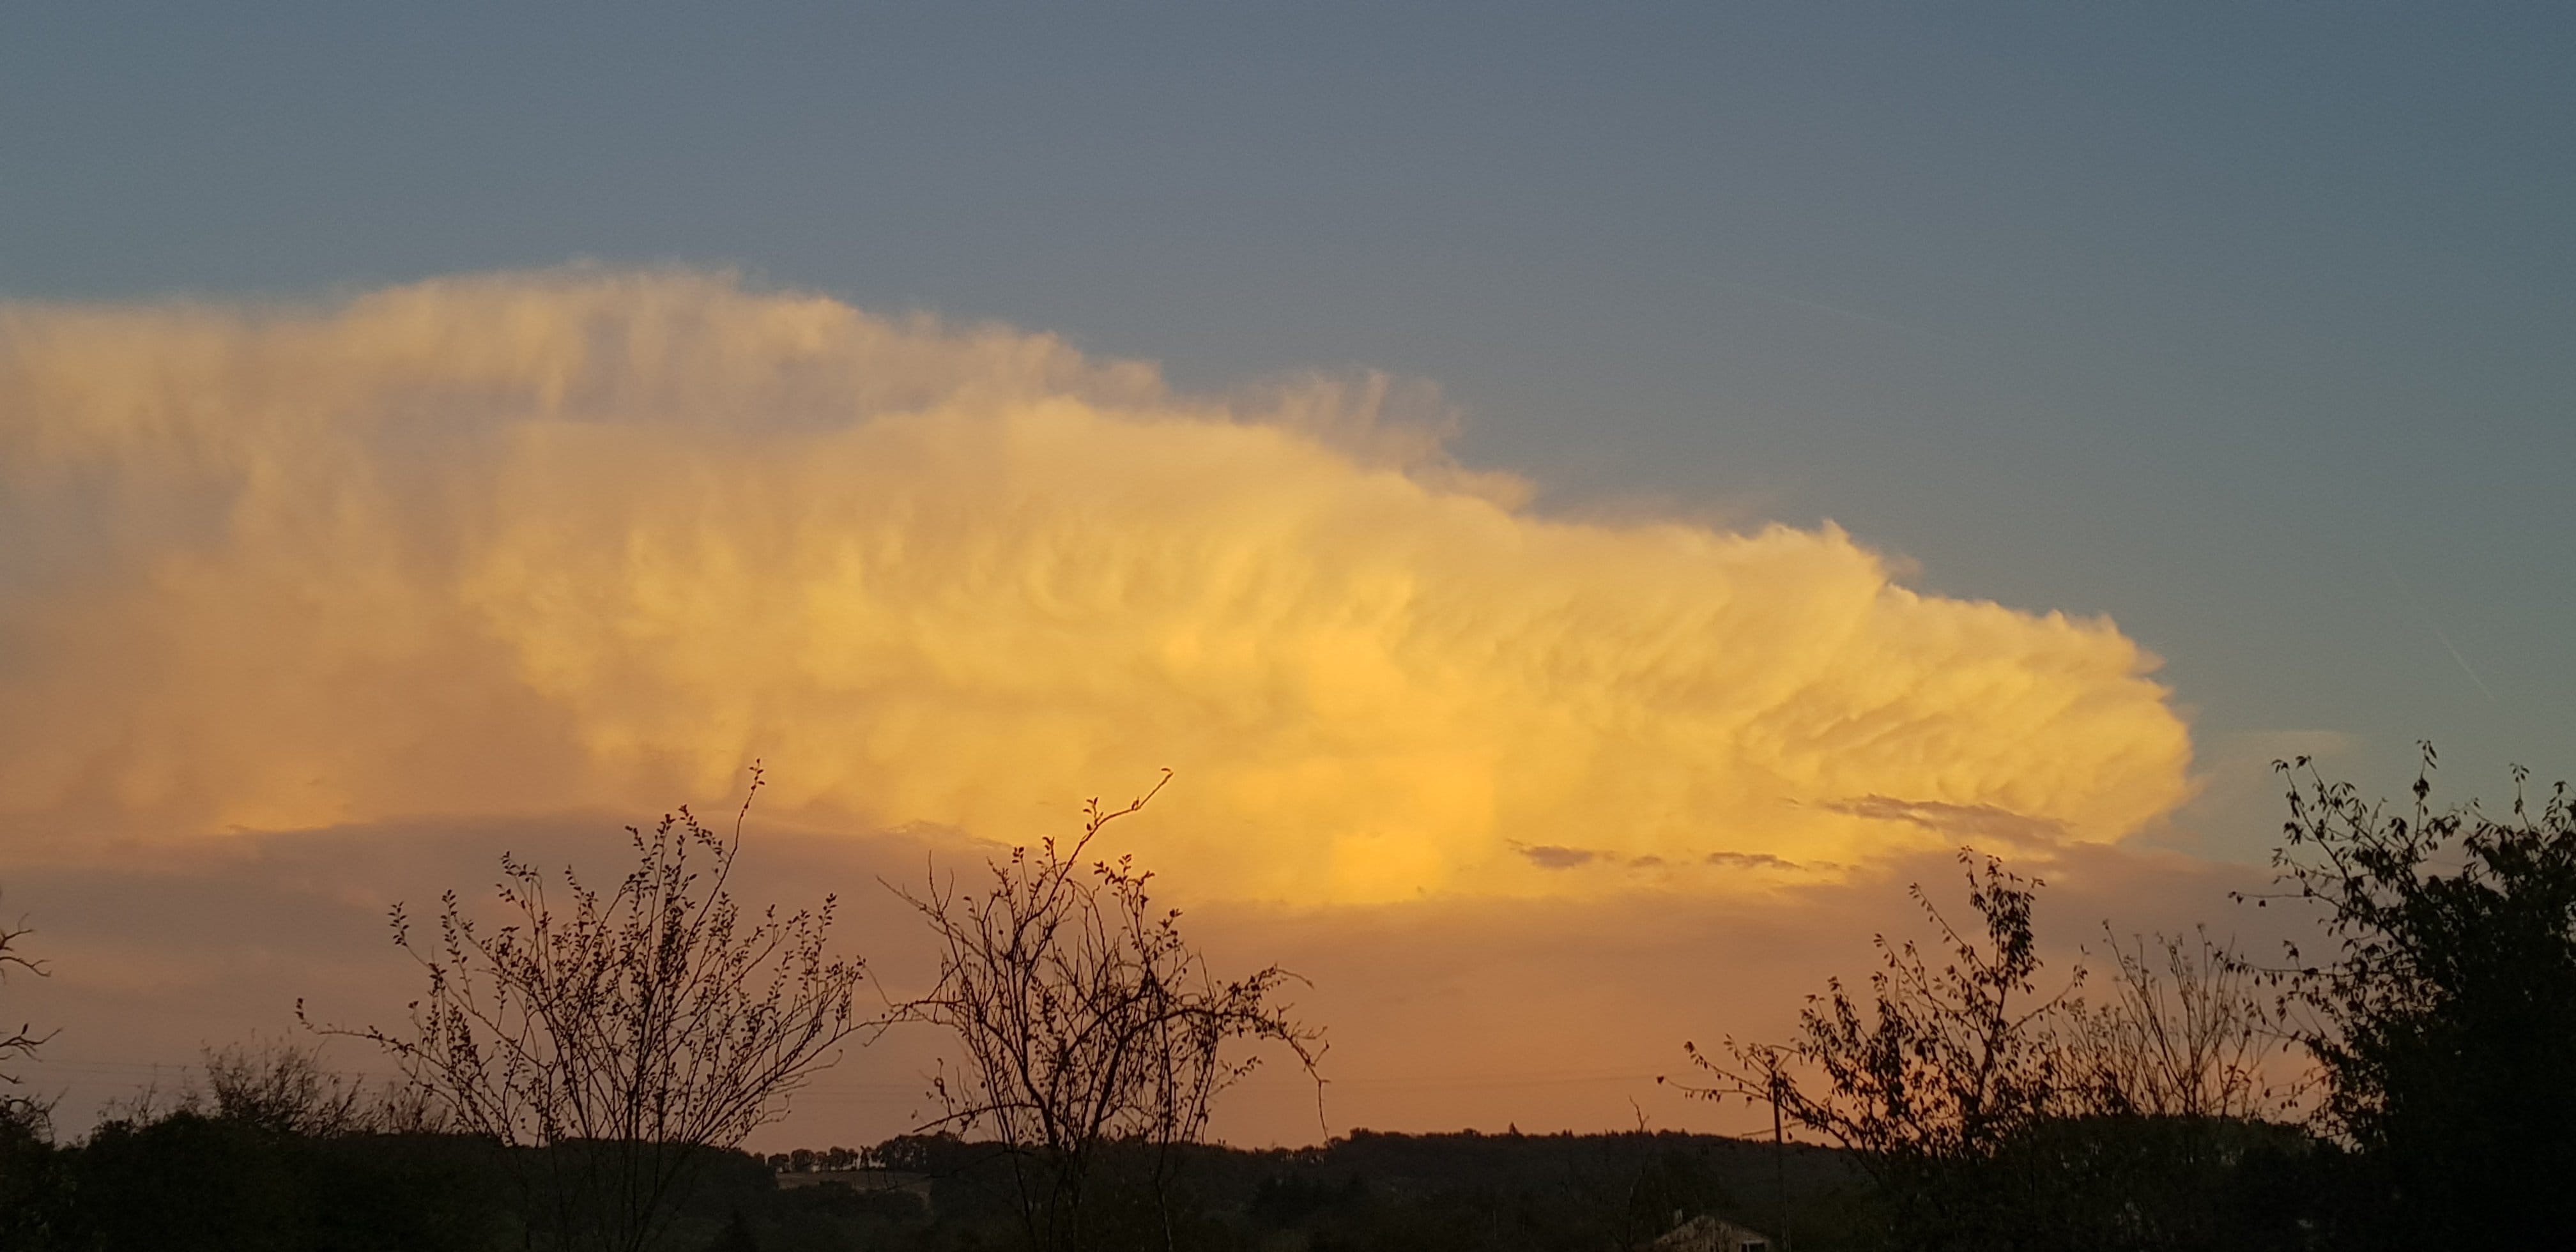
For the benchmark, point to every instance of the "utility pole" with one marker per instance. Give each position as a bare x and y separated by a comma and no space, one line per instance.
1779,1159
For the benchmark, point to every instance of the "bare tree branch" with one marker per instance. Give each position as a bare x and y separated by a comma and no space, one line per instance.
628,1031
23,1041
1084,1021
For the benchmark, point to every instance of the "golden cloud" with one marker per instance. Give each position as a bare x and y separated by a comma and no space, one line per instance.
524,543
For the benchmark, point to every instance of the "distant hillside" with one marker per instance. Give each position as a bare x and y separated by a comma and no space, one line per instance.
1395,1191
185,1179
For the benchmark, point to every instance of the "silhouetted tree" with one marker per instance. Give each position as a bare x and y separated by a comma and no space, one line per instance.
35,1191
265,1149
30,1168
736,1236
1994,1114
2185,1033
282,1089
1933,1078
1085,1023
2444,1011
22,1041
629,1032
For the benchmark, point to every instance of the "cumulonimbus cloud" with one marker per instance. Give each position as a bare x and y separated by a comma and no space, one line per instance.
524,543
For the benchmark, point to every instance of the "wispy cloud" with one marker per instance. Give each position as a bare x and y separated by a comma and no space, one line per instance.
2438,634
1749,860
1549,856
1973,823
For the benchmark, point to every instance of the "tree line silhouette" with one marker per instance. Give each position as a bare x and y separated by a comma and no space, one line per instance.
2403,1080
584,1064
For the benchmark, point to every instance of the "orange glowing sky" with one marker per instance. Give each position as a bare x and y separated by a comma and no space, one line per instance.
1615,495
523,556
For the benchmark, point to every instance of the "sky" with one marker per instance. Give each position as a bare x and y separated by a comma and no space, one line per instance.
1591,499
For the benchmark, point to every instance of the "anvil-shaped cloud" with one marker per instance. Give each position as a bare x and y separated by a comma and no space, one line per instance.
526,543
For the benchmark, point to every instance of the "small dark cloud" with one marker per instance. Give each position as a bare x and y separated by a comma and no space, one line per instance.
1973,822
1645,861
1550,856
1749,860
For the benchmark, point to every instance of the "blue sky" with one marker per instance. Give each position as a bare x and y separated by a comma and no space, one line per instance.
2248,325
